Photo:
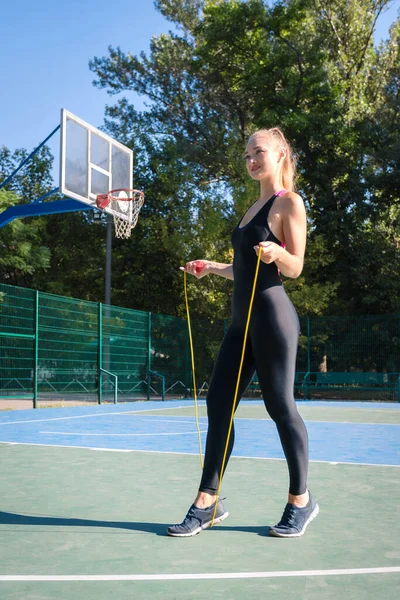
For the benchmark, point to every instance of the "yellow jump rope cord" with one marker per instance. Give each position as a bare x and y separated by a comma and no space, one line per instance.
193,371
237,385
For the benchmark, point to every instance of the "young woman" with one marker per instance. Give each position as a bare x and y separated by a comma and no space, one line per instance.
275,226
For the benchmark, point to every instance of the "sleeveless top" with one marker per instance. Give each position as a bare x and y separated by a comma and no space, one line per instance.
245,258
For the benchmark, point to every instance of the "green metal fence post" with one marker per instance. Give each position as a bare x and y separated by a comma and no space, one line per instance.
162,384
100,354
36,352
148,356
115,384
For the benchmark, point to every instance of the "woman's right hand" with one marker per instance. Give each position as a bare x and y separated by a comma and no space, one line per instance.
198,268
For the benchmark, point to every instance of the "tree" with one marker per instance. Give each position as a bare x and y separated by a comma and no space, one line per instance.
37,252
22,252
34,179
236,66
169,231
228,68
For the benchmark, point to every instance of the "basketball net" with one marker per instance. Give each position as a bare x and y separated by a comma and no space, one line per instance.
124,205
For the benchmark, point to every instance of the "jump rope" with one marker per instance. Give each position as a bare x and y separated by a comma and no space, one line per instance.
199,267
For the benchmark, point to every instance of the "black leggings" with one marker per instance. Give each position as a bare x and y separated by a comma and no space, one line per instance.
271,351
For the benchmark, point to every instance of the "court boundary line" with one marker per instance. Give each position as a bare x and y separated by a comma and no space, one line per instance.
325,462
125,412
188,576
88,434
239,418
135,412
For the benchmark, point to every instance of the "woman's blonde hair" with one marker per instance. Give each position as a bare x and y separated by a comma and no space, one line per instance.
289,166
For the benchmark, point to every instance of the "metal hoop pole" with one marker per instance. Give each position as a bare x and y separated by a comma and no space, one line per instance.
28,158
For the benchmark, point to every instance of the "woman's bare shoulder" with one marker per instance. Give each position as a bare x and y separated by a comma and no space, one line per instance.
291,201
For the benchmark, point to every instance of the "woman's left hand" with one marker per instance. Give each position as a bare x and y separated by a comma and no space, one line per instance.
270,252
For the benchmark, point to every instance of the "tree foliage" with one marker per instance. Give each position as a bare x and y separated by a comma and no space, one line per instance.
59,254
33,180
227,68
308,65
22,253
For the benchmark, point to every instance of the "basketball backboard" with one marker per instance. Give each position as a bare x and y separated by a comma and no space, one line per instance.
91,162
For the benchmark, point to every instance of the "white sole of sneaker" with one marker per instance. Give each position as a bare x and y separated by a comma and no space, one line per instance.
314,513
199,529
221,518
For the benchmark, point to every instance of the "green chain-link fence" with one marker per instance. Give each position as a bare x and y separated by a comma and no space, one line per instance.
355,357
55,347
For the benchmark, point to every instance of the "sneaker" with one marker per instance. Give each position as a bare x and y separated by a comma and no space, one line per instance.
295,520
198,519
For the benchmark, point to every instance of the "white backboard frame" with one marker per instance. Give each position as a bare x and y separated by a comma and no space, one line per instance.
81,175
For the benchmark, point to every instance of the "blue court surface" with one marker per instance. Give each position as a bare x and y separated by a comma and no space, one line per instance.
132,427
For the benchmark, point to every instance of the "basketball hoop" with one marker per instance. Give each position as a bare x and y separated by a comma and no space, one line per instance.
124,204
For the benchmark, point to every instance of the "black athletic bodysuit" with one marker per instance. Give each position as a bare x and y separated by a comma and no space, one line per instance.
270,351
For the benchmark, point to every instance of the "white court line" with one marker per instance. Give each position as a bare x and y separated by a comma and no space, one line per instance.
147,410
177,422
313,421
325,462
186,576
121,434
352,423
128,412
238,418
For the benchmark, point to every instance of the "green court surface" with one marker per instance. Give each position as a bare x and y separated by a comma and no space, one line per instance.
309,412
89,524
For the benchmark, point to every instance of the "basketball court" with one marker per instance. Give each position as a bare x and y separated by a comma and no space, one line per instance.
88,492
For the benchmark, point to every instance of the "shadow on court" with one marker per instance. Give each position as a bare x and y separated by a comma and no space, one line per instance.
7,518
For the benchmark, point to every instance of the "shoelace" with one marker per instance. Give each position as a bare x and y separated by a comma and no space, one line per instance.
191,515
289,515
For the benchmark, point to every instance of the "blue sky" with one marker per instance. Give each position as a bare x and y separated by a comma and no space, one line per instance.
46,46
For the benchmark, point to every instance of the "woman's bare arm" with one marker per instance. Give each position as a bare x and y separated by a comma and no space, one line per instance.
290,259
200,268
